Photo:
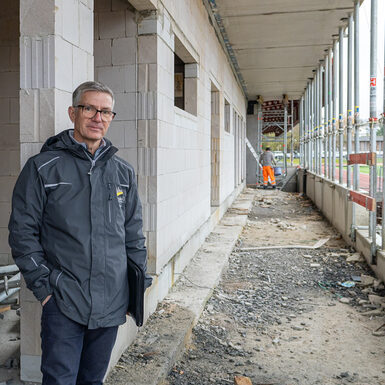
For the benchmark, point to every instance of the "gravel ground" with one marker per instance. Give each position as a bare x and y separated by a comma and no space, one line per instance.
283,316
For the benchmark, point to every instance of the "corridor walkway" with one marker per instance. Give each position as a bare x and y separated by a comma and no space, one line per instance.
281,316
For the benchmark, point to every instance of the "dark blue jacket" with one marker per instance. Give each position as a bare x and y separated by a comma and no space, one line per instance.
75,220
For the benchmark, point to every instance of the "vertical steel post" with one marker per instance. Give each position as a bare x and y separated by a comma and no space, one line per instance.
291,136
341,104
285,139
310,125
356,167
349,126
335,110
373,122
330,136
320,119
301,130
326,116
383,162
315,117
356,170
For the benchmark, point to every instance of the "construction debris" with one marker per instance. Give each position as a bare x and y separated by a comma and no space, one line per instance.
240,380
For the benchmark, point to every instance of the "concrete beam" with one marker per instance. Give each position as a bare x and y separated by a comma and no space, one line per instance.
144,5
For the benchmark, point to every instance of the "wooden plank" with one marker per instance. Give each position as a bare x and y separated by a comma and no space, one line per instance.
363,200
368,158
3,309
241,380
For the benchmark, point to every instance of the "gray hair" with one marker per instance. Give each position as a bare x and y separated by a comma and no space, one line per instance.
91,86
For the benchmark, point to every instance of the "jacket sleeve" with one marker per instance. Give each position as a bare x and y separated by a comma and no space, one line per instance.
28,203
135,240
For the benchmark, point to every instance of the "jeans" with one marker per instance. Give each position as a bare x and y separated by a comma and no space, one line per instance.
72,354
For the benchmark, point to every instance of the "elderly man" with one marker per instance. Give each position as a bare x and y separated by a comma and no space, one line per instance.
76,218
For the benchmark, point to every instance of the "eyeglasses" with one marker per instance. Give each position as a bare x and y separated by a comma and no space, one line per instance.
90,112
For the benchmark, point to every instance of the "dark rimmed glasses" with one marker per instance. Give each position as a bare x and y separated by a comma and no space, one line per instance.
90,112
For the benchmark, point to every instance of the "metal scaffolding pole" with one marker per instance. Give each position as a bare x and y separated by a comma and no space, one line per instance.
334,149
383,162
330,110
301,131
341,104
313,149
311,125
285,139
292,130
349,126
307,127
356,170
320,120
373,122
315,123
356,167
326,116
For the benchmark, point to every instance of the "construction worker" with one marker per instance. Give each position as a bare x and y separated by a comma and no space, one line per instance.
267,161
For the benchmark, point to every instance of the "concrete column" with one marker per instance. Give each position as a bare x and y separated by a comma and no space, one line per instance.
56,55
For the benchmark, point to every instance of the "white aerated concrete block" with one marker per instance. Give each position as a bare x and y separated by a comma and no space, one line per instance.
80,67
130,134
147,47
15,110
46,114
103,52
124,51
86,28
112,24
63,58
116,133
70,16
125,106
131,26
30,368
63,100
29,116
149,26
33,10
191,70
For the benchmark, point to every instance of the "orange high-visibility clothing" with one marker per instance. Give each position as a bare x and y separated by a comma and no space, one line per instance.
268,171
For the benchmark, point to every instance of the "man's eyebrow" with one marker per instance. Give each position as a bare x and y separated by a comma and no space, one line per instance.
92,105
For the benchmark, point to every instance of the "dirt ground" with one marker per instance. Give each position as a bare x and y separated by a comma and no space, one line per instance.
284,316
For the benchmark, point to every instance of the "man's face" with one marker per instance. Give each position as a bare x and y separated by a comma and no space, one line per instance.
90,129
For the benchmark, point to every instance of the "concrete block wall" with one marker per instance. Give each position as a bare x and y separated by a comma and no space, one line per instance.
56,55
332,199
115,51
9,118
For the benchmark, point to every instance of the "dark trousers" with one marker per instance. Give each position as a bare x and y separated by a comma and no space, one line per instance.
71,353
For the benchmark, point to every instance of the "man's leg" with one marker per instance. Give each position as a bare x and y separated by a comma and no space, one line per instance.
97,348
272,176
61,344
265,176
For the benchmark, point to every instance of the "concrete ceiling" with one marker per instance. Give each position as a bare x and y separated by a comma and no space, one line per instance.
277,43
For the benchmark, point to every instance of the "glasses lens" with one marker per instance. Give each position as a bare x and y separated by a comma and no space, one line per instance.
89,111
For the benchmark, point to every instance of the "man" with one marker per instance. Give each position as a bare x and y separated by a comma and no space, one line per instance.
76,218
267,161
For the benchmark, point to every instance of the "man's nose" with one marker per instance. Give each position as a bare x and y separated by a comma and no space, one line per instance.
98,116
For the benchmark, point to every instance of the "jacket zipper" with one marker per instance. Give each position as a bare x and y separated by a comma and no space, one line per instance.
109,202
93,161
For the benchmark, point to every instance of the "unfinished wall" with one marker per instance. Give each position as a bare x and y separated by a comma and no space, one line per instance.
115,51
9,117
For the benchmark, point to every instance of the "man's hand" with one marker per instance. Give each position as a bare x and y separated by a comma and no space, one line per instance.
46,300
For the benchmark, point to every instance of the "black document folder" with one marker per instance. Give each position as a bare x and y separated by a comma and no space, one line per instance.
136,281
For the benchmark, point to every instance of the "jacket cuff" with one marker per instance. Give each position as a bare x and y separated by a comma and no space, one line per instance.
42,293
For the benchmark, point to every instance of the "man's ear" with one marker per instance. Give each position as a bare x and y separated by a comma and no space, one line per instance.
71,113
